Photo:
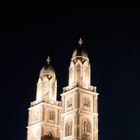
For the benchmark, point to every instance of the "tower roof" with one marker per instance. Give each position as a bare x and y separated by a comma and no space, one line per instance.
47,68
80,50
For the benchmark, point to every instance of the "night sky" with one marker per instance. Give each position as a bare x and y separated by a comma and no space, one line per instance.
111,37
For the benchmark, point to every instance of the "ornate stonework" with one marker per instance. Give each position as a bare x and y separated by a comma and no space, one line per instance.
75,117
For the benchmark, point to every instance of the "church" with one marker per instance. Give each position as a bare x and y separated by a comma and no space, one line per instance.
75,117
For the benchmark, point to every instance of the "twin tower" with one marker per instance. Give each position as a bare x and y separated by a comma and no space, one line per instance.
75,117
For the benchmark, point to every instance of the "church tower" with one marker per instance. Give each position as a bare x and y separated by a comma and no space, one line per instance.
75,117
44,112
79,117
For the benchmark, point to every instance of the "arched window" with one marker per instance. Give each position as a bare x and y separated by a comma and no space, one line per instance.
68,128
49,136
86,126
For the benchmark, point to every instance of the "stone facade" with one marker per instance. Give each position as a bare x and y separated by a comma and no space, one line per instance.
75,117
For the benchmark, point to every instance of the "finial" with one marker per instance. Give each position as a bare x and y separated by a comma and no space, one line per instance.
48,60
80,41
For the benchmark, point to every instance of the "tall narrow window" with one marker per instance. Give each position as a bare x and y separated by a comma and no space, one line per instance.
78,74
69,103
85,126
68,128
51,116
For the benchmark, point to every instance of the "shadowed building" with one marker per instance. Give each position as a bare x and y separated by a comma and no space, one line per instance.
76,115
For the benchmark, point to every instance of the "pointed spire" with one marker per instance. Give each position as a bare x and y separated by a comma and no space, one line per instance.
80,42
48,60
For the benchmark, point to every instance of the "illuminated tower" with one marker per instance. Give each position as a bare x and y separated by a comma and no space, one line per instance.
79,117
47,84
44,112
73,118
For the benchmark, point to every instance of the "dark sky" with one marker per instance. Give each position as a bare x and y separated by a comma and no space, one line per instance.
112,39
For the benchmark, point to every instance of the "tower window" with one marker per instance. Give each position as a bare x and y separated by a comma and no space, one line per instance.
69,103
86,126
86,102
51,116
68,128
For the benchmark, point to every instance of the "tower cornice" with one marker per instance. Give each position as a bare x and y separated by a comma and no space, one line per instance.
76,89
